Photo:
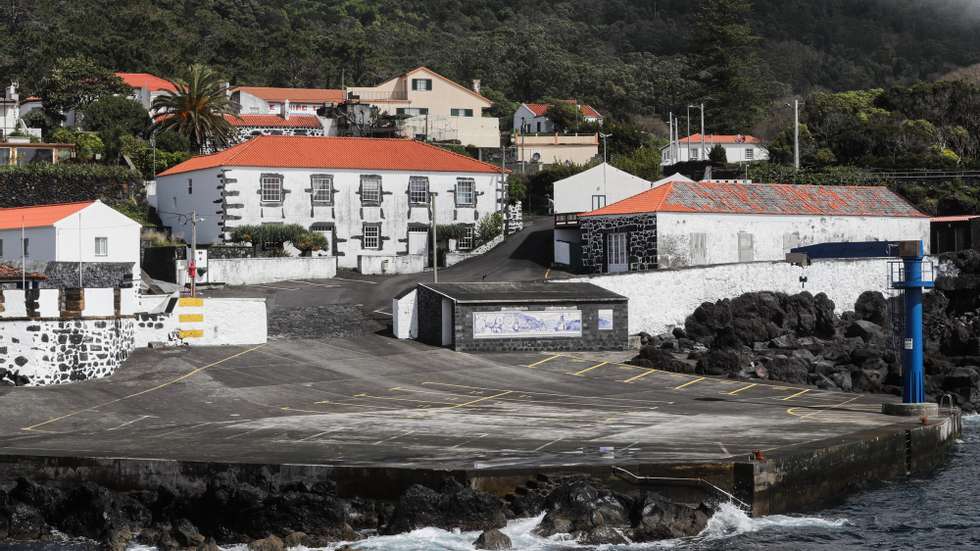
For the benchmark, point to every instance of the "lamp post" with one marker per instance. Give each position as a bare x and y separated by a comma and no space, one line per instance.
605,159
688,133
796,132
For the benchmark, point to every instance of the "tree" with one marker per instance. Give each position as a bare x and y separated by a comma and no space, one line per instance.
75,82
563,115
727,64
113,118
197,109
717,155
88,145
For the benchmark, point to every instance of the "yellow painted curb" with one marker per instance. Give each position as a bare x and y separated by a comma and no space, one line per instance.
190,333
188,301
190,318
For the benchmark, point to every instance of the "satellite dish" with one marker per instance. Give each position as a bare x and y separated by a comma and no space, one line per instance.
536,157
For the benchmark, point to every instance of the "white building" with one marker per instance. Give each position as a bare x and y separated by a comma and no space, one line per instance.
684,224
369,197
146,87
437,109
739,148
270,100
588,190
532,118
88,231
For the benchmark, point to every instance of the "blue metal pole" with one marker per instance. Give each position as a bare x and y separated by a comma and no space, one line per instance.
913,391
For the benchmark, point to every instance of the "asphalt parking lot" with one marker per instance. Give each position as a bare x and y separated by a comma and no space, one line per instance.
374,400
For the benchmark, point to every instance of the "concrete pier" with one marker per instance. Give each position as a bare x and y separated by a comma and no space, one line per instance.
377,415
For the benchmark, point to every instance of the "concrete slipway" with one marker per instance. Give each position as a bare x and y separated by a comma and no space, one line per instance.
377,414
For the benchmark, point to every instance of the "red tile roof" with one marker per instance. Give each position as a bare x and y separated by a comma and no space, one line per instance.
336,153
958,218
732,198
38,216
275,121
720,138
14,273
294,95
541,109
145,80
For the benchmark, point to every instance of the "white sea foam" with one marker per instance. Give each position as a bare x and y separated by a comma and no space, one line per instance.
730,521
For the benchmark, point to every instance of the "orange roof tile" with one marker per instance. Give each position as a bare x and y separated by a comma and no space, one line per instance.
14,273
720,138
541,109
294,95
275,121
145,80
336,153
38,216
956,218
733,198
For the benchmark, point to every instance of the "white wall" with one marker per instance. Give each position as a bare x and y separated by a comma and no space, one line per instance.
98,220
173,200
734,153
233,321
347,214
525,116
574,194
404,316
40,245
772,235
662,299
249,271
403,264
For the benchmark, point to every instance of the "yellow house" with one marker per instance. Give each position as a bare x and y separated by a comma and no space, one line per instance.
438,109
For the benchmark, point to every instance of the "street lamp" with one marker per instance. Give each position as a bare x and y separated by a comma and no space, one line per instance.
700,155
796,132
604,159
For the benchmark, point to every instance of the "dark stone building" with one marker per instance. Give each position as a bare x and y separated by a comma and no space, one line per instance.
954,233
640,242
521,316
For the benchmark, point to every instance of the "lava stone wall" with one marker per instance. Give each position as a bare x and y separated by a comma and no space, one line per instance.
592,338
429,311
44,352
641,243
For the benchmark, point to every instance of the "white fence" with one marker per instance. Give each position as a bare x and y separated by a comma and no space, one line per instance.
391,264
662,299
250,271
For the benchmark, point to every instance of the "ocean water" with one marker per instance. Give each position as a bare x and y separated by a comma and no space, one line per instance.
941,511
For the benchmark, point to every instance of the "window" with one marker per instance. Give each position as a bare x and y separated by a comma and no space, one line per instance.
457,112
466,239
418,190
694,154
539,126
322,188
412,111
698,248
465,192
749,154
372,237
27,246
101,246
746,246
271,188
190,186
371,190
422,84
598,201
1,247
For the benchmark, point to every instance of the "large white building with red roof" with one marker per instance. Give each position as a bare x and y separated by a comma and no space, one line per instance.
739,148
367,196
678,223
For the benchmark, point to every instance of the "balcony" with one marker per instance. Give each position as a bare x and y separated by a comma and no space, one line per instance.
369,95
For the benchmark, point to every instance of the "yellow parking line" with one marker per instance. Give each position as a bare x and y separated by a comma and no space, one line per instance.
548,359
800,393
691,382
190,318
746,387
640,376
587,369
478,400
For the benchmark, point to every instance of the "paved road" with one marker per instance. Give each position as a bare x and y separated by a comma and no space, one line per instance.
373,400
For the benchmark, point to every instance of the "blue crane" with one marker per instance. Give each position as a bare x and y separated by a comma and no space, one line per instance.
907,275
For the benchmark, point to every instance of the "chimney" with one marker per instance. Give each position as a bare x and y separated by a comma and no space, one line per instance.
12,92
285,109
476,85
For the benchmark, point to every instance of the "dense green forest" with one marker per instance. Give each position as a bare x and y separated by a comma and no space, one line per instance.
628,57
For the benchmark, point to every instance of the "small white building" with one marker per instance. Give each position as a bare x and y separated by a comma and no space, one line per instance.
271,100
146,87
588,190
532,118
686,224
368,196
87,231
739,148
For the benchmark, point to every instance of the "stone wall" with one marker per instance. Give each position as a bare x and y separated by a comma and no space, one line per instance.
641,246
395,264
429,312
662,299
250,271
592,338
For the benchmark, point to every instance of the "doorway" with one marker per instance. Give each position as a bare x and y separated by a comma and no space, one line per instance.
616,257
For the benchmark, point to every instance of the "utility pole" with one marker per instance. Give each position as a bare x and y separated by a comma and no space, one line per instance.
605,160
670,130
80,285
796,133
23,256
703,152
193,270
435,253
689,132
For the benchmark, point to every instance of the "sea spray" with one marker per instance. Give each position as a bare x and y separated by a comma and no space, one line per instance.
730,521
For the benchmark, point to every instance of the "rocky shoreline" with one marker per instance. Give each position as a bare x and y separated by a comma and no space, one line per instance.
272,517
799,339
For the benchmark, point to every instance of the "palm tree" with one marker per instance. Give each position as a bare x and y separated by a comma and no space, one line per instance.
196,109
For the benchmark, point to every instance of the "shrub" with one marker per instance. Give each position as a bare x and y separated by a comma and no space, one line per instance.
44,183
489,228
277,234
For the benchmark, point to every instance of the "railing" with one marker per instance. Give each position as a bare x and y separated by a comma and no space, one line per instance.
684,480
374,95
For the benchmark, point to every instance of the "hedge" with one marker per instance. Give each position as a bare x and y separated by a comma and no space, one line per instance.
45,183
